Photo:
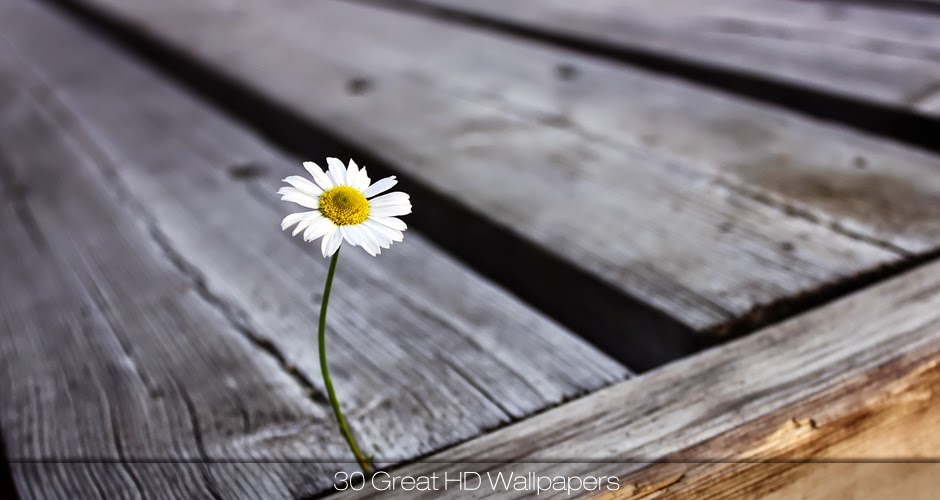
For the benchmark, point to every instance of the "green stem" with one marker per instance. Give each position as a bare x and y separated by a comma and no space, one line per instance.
340,419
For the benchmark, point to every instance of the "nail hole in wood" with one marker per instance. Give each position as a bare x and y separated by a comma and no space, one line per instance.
245,171
555,120
358,85
566,72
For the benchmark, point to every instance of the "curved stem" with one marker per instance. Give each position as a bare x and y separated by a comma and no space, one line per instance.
340,419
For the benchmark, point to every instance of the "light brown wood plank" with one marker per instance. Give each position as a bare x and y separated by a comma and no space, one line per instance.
716,210
886,56
424,352
855,380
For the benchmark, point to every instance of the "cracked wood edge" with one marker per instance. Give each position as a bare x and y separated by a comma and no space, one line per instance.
452,354
843,49
855,380
718,213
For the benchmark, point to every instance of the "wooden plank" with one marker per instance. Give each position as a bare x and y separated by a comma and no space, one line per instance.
145,209
886,56
853,381
718,211
118,377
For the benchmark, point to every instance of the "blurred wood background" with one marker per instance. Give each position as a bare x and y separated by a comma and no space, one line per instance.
602,189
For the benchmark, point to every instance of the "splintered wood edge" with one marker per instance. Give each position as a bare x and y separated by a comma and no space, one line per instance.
832,393
884,415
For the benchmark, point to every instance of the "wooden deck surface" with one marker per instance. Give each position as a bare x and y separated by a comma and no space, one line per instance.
200,329
762,205
578,219
851,382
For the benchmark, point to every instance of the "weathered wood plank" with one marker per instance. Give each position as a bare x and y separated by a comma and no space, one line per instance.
118,377
855,380
713,209
889,57
146,199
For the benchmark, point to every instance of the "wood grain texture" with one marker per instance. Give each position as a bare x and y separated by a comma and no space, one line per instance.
843,48
712,209
147,246
119,379
853,381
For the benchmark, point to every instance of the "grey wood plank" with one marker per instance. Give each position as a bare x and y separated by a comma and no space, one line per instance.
425,353
713,209
886,56
118,377
852,381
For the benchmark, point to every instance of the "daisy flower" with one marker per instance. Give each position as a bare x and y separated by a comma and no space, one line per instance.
345,207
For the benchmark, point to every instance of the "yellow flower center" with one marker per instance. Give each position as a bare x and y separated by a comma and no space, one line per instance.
344,205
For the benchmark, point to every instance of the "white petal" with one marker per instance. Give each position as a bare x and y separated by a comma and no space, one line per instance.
352,173
304,185
331,242
381,186
391,198
369,241
362,182
390,210
304,224
337,171
349,235
322,180
294,196
391,222
294,218
357,235
384,235
318,228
